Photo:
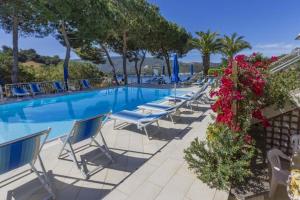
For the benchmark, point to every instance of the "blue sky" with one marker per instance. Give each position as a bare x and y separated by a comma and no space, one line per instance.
269,25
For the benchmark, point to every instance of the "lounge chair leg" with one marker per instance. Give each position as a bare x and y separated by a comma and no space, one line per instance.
157,124
72,155
146,132
43,168
172,119
115,121
83,169
105,150
63,147
43,180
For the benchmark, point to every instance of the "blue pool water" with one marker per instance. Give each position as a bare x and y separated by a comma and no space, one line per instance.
21,118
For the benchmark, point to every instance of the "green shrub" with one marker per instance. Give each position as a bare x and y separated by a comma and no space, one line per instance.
77,70
5,71
216,70
279,86
222,160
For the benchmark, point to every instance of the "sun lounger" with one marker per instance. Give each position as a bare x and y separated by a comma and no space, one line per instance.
160,107
25,151
139,119
35,88
199,82
58,87
19,91
191,97
83,130
85,84
211,81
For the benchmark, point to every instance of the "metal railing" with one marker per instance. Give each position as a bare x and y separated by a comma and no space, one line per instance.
47,86
286,61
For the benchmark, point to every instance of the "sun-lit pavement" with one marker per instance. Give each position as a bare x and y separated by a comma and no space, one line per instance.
142,168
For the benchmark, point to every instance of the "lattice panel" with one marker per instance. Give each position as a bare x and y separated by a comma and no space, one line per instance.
282,127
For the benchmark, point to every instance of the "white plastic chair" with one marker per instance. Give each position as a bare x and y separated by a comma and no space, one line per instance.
278,175
295,143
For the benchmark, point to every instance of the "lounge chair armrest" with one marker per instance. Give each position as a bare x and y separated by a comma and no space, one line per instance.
282,155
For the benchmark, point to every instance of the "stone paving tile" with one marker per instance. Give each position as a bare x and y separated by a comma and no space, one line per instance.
134,181
221,195
164,173
198,189
176,188
116,195
146,191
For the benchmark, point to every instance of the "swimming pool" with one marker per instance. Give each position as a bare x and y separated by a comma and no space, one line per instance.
59,112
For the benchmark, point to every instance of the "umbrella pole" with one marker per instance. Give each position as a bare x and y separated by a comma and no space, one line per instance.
175,93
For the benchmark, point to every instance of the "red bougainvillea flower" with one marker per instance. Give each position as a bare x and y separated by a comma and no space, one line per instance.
258,115
228,71
213,93
274,58
248,139
244,87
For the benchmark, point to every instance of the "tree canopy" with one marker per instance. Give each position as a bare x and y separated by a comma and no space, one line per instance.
96,29
21,17
207,43
233,44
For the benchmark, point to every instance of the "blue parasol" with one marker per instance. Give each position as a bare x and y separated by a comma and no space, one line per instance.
192,69
175,72
66,76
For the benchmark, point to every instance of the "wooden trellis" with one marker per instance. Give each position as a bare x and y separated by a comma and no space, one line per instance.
281,128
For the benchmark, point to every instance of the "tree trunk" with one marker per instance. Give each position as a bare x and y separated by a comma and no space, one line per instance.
15,67
67,57
124,57
140,67
167,59
206,63
136,69
111,63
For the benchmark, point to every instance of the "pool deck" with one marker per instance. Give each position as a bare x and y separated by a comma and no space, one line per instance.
142,168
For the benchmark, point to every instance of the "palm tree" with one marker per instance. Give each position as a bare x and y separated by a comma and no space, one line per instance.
231,45
207,43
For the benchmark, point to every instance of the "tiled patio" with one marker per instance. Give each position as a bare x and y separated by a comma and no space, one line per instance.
142,168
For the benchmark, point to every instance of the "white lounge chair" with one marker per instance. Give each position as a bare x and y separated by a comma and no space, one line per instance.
191,97
279,176
85,84
35,88
161,107
58,87
19,91
139,119
83,130
21,152
200,82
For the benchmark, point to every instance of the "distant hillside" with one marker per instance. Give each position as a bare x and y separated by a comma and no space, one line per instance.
147,65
